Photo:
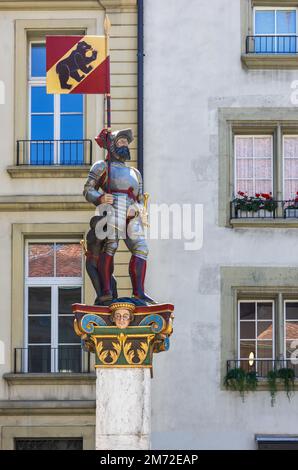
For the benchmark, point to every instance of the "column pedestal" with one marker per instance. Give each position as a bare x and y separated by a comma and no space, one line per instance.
123,408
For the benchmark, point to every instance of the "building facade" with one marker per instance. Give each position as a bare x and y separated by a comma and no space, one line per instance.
220,117
47,386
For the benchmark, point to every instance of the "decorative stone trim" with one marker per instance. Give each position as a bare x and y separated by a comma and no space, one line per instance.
255,223
50,5
42,407
44,202
29,171
262,61
119,4
50,379
274,3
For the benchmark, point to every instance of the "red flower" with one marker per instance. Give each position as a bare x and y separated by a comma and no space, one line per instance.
241,193
266,196
258,194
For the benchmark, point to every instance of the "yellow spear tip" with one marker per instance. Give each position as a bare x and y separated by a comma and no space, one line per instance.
107,25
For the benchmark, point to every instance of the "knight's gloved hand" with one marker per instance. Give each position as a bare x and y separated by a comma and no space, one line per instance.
106,199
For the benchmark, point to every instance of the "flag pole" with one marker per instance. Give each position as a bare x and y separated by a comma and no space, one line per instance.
107,29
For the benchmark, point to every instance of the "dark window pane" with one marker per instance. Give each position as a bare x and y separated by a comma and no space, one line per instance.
67,297
71,126
292,349
264,311
68,260
292,330
42,127
41,102
247,330
286,21
38,60
41,260
41,153
264,330
292,310
264,350
265,22
39,359
39,301
247,311
70,359
39,329
247,347
49,444
72,153
71,103
66,330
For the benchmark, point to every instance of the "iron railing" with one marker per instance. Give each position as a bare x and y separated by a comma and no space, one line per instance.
271,44
262,366
54,152
44,359
275,210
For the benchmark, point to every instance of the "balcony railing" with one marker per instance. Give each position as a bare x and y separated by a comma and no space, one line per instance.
44,359
262,366
272,44
54,152
278,210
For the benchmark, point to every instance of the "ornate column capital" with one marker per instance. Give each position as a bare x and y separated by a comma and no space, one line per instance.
119,344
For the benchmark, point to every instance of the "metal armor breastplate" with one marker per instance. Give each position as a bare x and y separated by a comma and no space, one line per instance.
123,178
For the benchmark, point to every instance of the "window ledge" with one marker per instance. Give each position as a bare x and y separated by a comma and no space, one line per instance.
48,171
45,407
50,202
50,379
256,223
270,61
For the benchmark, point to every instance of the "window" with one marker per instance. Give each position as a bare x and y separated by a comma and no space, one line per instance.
56,122
255,327
291,329
53,283
254,164
275,30
290,167
258,154
49,444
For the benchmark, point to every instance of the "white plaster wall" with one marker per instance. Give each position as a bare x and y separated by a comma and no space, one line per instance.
192,67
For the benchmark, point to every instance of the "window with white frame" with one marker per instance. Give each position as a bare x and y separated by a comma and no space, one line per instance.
256,332
290,166
56,122
275,30
53,283
291,330
253,164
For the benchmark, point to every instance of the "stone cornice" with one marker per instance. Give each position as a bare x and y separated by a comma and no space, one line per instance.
118,4
67,4
50,379
50,5
43,407
44,202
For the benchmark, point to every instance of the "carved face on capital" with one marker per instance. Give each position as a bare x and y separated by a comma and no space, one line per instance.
122,318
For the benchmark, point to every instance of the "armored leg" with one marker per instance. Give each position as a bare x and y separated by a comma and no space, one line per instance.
137,267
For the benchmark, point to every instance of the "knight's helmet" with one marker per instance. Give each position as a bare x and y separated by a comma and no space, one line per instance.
119,153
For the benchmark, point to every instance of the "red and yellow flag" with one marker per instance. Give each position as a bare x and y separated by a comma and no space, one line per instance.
77,64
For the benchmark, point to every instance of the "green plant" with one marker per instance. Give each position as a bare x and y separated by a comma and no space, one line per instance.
238,379
287,375
271,380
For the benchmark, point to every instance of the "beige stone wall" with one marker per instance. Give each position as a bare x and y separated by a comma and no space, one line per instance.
65,213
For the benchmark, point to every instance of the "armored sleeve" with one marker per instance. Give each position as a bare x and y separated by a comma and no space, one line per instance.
140,180
92,189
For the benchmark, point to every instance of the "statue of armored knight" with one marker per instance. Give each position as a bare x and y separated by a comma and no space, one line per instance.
127,200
